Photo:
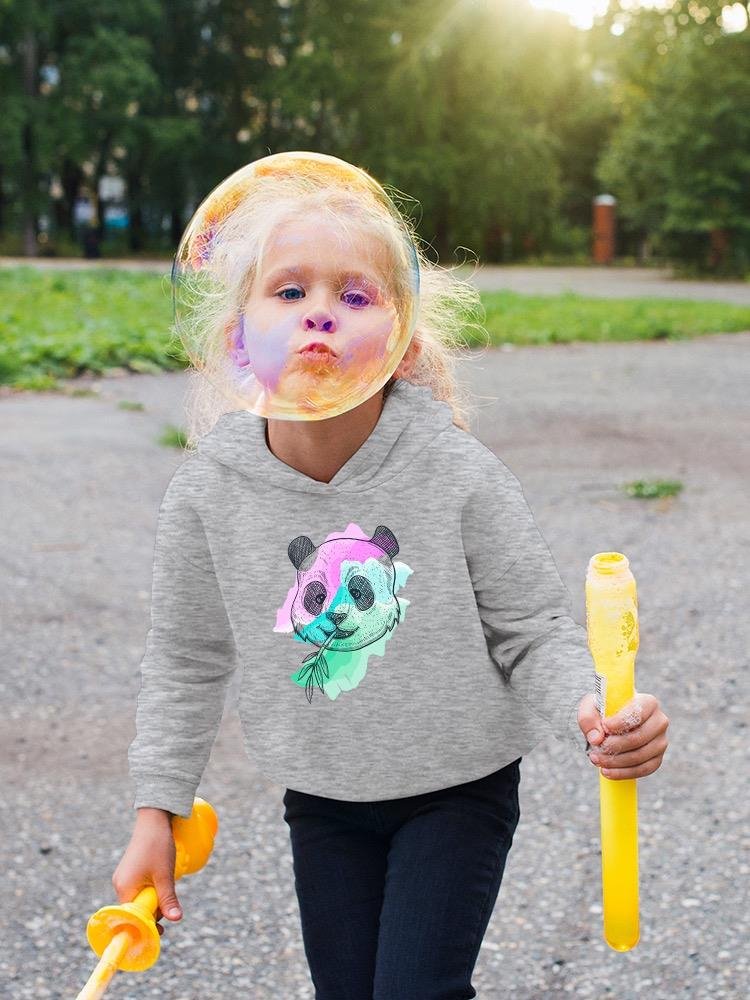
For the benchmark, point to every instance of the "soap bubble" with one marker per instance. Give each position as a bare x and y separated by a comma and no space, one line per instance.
296,286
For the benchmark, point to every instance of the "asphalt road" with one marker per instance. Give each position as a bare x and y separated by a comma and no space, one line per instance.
80,486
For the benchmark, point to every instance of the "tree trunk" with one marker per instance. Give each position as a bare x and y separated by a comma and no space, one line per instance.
70,179
135,211
28,145
176,226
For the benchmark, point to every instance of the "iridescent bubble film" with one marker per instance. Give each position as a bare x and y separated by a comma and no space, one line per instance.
295,287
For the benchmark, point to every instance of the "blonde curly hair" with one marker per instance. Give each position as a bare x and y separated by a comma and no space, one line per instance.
447,308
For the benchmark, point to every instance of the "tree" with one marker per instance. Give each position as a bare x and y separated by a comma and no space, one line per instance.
679,159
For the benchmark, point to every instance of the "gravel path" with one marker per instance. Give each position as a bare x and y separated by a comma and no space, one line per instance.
80,486
607,283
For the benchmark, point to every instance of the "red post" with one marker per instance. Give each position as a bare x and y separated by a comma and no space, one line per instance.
604,229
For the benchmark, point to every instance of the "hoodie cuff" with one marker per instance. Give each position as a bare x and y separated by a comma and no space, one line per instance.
155,791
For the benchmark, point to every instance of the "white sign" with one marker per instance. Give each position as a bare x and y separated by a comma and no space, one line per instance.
111,188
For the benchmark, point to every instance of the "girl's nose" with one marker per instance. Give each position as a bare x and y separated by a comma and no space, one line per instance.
319,318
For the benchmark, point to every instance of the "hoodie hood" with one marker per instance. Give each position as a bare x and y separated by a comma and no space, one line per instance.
410,420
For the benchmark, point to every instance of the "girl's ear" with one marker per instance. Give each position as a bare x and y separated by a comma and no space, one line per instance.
236,346
407,363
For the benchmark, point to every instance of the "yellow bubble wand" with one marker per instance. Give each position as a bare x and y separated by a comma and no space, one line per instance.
612,625
125,936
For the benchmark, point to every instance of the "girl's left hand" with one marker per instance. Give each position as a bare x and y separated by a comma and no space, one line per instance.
629,744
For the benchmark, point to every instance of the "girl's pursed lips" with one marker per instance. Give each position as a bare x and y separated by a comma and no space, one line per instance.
317,345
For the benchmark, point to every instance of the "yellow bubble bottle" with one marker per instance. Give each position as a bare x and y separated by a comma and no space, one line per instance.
612,625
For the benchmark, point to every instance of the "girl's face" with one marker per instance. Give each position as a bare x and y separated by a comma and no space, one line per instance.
320,319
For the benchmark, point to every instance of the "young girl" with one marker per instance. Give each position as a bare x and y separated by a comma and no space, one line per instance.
403,632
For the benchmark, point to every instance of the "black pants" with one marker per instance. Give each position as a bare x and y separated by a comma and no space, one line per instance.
395,895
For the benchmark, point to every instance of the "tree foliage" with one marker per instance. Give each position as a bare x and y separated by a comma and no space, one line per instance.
499,121
679,157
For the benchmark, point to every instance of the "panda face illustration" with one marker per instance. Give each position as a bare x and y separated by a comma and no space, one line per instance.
345,596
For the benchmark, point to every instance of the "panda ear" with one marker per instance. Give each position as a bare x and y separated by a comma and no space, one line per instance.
386,540
299,549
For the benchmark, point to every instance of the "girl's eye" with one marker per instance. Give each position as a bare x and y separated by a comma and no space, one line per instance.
357,299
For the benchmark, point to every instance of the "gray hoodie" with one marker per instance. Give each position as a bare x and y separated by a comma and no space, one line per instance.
400,629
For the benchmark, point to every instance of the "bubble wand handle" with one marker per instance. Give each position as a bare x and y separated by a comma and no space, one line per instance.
107,966
125,936
613,636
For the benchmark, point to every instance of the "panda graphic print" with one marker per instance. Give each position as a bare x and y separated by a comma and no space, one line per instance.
344,602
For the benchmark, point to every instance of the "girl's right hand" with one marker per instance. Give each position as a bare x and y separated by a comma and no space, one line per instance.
149,859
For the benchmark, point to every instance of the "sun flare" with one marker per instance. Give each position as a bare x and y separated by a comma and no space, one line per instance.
583,12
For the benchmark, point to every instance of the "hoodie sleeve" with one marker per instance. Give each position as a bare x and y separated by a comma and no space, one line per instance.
525,609
189,659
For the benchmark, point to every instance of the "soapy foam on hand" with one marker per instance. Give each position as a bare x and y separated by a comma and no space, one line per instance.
633,717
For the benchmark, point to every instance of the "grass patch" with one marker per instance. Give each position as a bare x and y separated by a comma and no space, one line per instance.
59,324
558,319
173,437
648,490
